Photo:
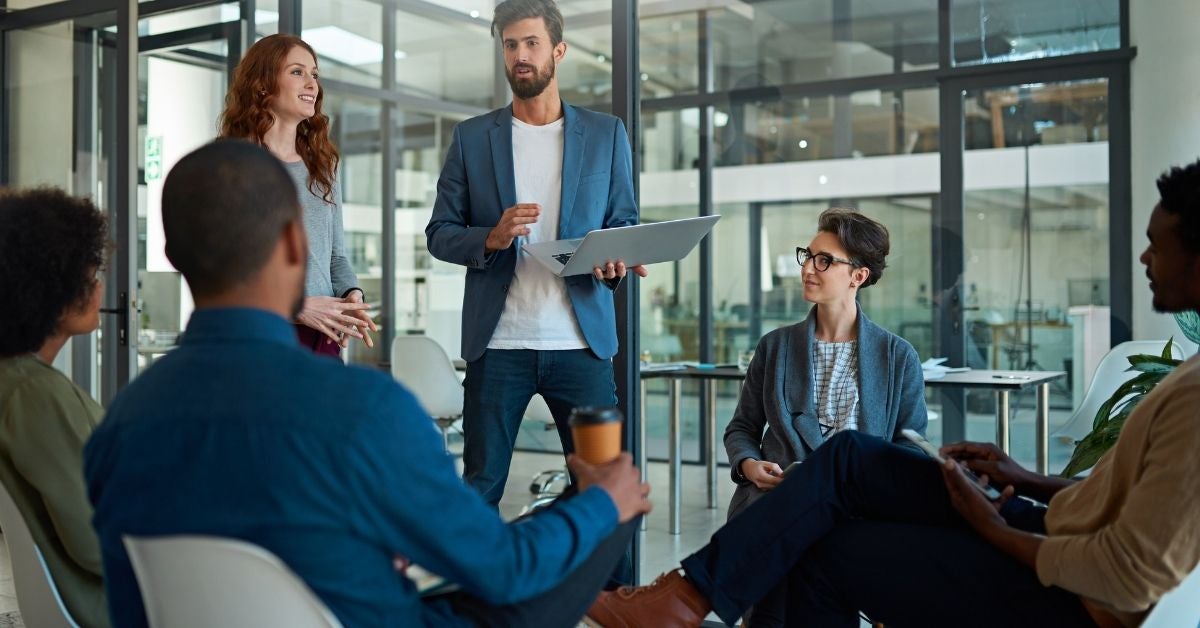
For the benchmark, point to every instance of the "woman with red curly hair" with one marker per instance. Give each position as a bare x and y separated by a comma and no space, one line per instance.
275,101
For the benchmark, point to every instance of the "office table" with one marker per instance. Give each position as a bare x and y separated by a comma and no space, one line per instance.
708,377
1004,382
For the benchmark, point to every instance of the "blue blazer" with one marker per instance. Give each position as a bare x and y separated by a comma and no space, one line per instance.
476,186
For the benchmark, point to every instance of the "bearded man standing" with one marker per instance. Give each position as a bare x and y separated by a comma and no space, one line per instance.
534,171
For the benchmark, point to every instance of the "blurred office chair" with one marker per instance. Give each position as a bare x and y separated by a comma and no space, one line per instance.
1179,607
37,596
1110,374
204,581
424,367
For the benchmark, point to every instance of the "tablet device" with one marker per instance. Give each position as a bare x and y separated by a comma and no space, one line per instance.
927,447
790,468
648,243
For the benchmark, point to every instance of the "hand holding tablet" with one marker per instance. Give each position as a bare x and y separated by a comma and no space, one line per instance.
927,447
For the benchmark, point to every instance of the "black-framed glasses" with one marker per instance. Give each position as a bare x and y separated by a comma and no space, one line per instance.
821,261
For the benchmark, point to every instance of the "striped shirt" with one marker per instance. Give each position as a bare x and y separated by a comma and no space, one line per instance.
835,383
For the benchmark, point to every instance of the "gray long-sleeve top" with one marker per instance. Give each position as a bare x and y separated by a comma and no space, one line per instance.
329,270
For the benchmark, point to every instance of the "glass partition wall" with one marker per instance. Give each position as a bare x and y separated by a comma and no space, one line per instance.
768,113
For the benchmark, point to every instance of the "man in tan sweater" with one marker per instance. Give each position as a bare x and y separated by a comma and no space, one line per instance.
864,525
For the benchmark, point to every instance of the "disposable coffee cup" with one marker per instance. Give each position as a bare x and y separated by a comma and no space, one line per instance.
597,433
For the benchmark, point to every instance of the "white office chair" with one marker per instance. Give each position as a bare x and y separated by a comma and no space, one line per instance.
1110,374
37,596
201,582
424,367
1179,607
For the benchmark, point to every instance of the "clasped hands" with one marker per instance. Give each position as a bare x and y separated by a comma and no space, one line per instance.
339,318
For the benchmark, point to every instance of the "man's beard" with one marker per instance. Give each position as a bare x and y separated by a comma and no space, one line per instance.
526,89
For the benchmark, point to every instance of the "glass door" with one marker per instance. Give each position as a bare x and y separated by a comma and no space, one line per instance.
1036,213
57,131
185,73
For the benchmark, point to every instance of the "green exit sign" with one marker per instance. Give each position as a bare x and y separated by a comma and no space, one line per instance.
153,164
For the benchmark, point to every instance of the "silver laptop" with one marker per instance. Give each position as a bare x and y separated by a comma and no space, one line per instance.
650,243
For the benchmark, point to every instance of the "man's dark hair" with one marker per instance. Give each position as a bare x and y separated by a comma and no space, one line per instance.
51,245
224,208
511,11
866,241
1179,189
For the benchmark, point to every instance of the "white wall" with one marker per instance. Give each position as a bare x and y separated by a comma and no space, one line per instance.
1165,120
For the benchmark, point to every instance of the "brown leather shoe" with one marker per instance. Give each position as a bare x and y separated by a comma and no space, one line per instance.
668,602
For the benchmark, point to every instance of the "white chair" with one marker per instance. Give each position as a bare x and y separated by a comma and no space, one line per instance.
37,596
1179,607
201,582
1110,374
424,367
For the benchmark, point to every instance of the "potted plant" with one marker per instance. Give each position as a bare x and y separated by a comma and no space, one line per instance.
1110,418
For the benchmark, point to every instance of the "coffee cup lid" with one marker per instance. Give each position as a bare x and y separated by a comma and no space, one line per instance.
595,414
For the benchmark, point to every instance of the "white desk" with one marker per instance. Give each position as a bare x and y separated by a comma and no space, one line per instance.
1004,382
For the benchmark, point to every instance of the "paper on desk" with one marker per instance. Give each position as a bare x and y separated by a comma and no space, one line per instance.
651,367
933,368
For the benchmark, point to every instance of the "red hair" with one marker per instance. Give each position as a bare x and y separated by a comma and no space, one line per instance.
248,115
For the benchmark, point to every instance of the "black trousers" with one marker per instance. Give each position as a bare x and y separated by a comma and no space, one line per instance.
866,525
564,605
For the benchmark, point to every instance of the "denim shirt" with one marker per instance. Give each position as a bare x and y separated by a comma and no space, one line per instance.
335,469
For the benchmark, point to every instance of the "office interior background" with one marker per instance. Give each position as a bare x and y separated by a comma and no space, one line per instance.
1010,147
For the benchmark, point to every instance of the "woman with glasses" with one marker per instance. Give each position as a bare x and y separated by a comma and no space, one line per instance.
275,101
833,371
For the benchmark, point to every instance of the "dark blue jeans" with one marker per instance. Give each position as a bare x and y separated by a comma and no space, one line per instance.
867,525
564,605
497,391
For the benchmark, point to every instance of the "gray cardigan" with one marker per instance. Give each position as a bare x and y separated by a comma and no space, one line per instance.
778,396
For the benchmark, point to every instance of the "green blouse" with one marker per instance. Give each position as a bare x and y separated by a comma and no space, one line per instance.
45,419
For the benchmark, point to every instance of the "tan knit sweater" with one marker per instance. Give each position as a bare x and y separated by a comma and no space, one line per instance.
1130,532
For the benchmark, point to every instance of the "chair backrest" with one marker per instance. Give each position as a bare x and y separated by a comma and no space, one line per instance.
1110,374
1179,607
204,581
423,366
37,596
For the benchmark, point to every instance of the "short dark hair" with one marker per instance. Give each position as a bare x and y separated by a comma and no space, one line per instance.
866,241
51,245
224,208
511,11
1179,190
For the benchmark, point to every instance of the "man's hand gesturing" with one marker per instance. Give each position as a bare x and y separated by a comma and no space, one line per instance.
512,224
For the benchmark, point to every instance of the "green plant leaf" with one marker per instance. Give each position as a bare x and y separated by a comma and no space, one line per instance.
1152,364
1189,322
1110,418
1166,352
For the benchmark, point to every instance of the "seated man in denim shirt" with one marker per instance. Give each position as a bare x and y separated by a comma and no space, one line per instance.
337,470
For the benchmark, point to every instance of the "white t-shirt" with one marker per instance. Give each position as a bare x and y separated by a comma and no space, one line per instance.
538,313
